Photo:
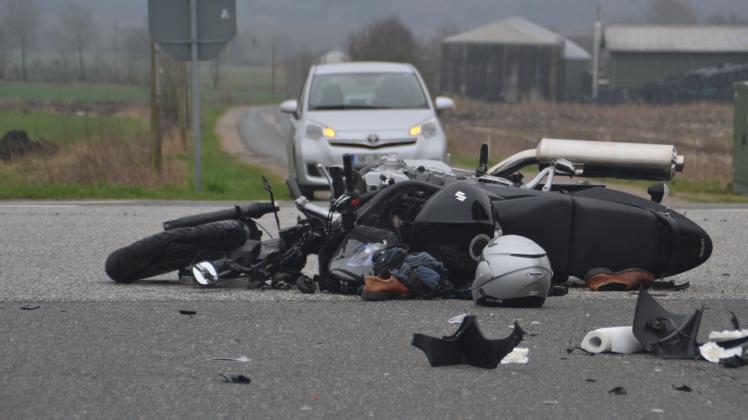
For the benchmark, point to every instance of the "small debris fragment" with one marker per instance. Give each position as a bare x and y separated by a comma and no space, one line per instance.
187,312
517,355
725,274
30,307
315,397
550,402
305,408
235,378
733,362
534,322
734,320
242,359
683,388
570,350
457,319
590,380
619,390
657,410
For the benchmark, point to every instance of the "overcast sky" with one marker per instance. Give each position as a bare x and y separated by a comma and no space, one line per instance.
324,24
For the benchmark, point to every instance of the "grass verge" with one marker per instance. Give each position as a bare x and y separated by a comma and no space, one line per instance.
119,169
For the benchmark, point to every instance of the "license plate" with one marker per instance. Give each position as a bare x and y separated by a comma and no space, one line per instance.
365,160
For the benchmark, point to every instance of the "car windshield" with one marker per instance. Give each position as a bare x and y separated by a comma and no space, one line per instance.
366,91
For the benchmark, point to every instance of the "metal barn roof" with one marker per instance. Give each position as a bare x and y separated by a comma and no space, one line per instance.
676,38
519,31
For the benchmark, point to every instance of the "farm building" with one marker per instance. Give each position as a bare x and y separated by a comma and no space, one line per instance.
511,60
640,54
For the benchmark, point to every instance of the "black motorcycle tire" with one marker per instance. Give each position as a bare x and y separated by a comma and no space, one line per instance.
174,249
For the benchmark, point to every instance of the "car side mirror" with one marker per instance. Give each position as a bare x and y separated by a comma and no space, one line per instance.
442,102
290,107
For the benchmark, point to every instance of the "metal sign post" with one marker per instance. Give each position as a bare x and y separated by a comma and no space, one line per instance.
196,140
193,30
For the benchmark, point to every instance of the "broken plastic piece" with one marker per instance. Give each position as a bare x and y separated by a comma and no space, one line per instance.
727,335
230,359
734,320
570,350
613,340
603,279
235,378
457,319
467,346
733,362
714,352
619,390
187,312
668,335
684,388
518,355
30,307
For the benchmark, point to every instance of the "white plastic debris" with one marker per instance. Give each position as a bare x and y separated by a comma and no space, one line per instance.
612,340
242,359
713,352
457,319
726,335
518,355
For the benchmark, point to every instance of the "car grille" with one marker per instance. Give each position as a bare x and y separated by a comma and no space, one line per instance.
366,145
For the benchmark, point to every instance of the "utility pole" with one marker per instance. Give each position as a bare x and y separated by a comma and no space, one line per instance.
596,54
155,111
272,71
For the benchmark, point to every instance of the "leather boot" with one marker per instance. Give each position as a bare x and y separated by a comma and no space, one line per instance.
602,279
376,288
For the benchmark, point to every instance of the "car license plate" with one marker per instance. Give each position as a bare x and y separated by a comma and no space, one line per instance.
365,160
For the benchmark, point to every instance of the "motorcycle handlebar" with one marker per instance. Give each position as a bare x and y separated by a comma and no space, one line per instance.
252,210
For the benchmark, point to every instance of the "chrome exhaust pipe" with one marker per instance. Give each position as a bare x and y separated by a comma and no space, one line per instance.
657,162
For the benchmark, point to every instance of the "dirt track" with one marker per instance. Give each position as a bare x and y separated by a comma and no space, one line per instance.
231,142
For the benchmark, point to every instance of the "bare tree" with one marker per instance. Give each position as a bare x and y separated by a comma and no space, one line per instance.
77,28
20,22
387,39
672,12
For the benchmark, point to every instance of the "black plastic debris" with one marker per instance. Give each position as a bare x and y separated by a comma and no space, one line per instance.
306,284
187,312
733,362
590,380
619,390
682,388
666,334
30,307
235,378
577,349
734,320
467,346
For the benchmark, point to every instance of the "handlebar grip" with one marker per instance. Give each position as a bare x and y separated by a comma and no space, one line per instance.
293,187
348,173
252,210
200,219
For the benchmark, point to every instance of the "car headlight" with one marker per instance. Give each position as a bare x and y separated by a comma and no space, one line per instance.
315,132
426,128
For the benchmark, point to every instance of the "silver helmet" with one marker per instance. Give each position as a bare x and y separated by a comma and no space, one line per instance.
512,271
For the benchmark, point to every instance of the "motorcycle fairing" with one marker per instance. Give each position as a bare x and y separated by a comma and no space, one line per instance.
467,346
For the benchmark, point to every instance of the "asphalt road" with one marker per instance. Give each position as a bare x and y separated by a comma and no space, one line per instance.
97,349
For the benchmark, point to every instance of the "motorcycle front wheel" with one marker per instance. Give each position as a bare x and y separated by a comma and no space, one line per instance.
174,249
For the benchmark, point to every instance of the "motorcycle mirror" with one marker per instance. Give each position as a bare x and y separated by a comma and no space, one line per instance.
483,161
205,274
658,192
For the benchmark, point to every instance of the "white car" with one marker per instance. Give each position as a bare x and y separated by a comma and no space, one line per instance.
366,109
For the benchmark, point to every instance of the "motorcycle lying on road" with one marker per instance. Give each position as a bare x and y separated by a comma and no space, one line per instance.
450,213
